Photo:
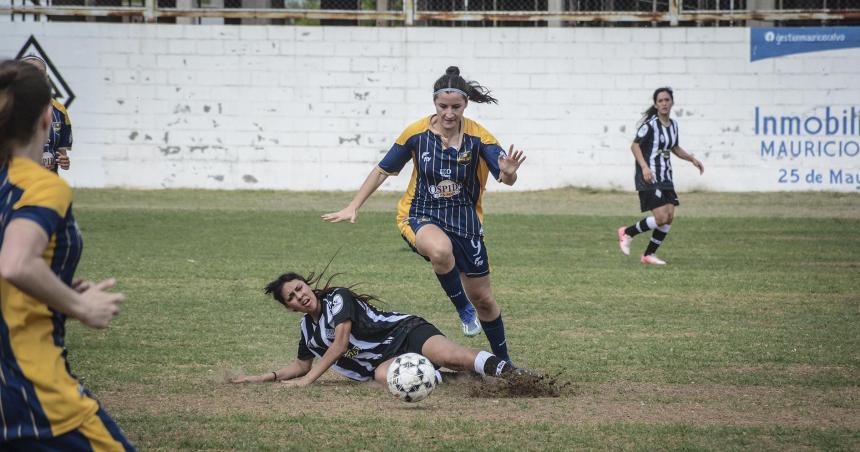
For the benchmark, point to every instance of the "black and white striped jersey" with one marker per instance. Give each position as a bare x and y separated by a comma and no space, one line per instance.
375,337
656,141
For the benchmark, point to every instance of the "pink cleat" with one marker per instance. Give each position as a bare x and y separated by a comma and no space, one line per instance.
624,241
650,259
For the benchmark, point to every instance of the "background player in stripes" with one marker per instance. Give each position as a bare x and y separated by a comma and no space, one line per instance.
43,405
347,333
56,150
656,137
440,215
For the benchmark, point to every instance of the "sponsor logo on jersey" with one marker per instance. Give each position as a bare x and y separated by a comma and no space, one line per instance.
464,156
425,156
642,131
336,305
445,189
352,352
445,172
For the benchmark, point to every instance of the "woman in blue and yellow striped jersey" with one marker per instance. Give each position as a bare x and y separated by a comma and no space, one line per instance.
44,406
56,151
440,215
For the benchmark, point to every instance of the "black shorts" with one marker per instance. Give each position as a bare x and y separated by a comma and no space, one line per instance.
419,332
652,199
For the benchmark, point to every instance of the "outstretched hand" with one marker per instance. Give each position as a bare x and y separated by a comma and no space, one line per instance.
101,306
346,214
509,164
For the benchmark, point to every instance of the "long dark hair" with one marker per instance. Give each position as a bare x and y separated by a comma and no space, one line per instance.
474,91
275,287
652,110
24,95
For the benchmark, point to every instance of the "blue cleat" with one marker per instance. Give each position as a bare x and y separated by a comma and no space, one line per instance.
471,324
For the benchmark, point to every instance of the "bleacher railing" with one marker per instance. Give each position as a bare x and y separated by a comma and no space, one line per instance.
444,12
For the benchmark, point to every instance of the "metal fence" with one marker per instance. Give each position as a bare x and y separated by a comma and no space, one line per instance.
465,13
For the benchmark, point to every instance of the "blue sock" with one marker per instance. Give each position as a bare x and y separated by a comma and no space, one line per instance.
454,289
495,332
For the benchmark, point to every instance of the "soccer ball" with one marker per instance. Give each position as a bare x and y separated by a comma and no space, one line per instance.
411,377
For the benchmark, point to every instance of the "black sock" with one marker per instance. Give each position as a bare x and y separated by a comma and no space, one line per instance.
657,238
495,366
637,228
453,287
495,332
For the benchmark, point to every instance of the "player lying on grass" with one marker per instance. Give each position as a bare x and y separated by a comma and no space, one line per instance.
358,340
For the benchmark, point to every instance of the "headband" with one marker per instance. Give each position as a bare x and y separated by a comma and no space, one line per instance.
33,57
450,90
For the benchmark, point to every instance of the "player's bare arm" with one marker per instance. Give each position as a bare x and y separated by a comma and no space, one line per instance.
334,352
683,154
640,160
350,212
295,369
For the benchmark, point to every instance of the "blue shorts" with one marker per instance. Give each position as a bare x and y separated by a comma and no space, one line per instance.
470,255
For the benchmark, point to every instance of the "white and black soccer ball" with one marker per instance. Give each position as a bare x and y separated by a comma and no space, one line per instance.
411,377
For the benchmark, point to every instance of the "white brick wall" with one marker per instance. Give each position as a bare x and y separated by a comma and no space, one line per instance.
313,108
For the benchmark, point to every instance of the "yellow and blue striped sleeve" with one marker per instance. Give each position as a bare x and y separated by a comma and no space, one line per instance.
45,202
490,149
401,151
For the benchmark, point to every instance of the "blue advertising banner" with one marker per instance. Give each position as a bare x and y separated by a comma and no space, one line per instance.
775,42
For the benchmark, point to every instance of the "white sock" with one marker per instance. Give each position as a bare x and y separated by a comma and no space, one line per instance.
665,228
480,360
651,222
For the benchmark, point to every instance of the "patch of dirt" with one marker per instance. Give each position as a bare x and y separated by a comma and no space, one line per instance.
556,403
527,385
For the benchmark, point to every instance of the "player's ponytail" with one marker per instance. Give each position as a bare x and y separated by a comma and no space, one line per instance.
453,82
24,95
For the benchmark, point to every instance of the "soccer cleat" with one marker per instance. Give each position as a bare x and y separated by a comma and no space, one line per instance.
650,259
624,241
519,373
471,328
470,322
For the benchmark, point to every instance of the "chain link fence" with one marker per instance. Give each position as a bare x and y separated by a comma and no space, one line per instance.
449,13
775,12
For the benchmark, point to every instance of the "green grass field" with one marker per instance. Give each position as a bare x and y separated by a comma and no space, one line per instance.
748,339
